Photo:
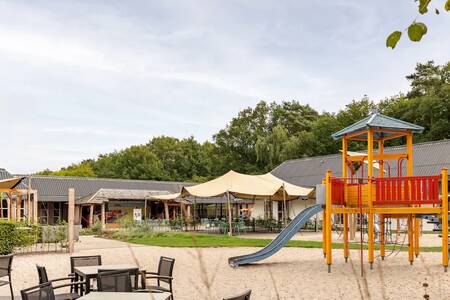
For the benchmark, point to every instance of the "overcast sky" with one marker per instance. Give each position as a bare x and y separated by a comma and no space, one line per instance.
80,78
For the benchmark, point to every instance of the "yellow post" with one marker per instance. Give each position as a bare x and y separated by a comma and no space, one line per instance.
345,217
382,240
409,172
417,222
370,214
328,220
381,217
409,167
381,162
324,232
410,239
445,218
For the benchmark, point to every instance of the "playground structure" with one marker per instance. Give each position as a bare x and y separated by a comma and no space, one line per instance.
377,197
280,241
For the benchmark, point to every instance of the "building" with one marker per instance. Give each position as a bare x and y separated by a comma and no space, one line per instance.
113,198
429,159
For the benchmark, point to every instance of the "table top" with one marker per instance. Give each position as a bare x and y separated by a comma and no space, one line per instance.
93,270
122,296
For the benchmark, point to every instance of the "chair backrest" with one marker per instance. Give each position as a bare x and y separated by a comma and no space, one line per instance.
42,273
134,275
84,261
114,281
165,267
5,265
244,296
40,292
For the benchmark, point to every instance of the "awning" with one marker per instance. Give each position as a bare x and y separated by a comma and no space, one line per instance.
242,186
292,190
10,183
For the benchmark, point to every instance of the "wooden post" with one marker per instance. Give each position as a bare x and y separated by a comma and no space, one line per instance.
382,238
10,206
145,209
91,215
103,215
29,211
71,216
18,205
328,220
188,212
35,207
344,175
410,239
444,185
352,222
230,230
370,198
166,211
417,222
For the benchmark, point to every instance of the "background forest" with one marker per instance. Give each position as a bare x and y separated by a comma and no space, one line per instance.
260,138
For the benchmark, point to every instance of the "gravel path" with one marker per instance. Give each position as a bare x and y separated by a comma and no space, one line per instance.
293,273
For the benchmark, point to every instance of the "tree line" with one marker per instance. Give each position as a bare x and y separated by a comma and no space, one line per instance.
260,138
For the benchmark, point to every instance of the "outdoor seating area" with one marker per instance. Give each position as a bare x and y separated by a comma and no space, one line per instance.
88,275
90,279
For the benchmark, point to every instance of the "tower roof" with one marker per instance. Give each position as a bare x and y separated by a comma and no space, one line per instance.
379,121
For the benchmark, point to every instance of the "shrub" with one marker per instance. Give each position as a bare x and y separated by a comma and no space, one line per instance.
96,228
27,235
8,237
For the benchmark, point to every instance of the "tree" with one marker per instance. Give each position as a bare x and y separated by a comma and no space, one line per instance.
260,138
416,30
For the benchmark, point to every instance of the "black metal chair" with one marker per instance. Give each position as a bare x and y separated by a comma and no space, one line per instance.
133,273
43,278
244,296
40,292
83,261
163,277
114,281
5,270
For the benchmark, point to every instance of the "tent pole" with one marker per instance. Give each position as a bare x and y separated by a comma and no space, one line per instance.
230,231
284,206
194,215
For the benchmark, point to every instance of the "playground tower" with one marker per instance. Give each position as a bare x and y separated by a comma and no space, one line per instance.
377,196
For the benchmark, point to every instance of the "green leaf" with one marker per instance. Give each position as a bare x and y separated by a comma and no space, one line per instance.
416,31
423,6
393,39
447,5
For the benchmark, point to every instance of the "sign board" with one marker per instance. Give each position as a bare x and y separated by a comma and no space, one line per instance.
321,194
137,214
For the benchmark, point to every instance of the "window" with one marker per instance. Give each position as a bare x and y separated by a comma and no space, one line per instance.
43,213
56,212
3,208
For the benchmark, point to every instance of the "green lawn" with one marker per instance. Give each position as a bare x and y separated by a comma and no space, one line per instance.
207,240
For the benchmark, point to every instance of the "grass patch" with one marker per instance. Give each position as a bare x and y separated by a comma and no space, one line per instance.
189,240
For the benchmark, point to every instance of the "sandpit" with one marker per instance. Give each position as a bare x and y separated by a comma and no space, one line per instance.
293,273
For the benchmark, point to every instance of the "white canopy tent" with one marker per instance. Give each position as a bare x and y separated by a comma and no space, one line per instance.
243,186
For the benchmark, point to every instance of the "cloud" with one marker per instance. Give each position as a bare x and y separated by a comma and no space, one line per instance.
91,77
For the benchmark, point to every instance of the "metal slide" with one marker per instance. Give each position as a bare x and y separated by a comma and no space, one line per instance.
285,235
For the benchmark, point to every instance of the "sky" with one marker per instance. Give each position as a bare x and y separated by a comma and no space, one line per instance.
81,78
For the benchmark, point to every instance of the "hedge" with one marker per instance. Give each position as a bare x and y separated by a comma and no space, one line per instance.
8,237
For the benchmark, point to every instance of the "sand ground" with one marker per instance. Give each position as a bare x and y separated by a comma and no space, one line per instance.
293,273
